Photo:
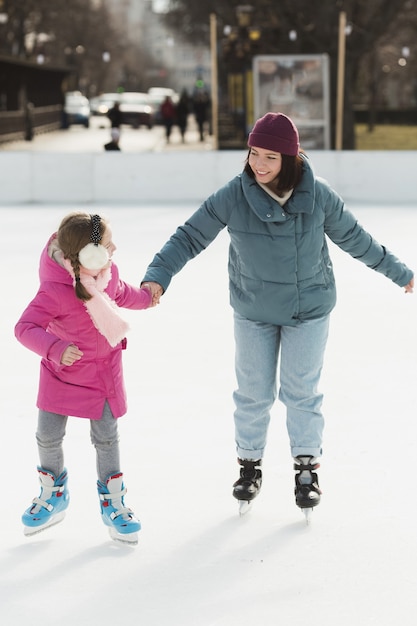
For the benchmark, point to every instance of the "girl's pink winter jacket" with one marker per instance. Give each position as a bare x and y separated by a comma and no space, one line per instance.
56,318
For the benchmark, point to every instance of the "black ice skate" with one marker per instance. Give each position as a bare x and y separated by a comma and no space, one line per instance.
307,491
247,487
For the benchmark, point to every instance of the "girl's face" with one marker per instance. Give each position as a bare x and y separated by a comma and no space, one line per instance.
265,164
107,242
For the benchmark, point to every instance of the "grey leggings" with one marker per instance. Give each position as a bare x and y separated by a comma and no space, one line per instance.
104,436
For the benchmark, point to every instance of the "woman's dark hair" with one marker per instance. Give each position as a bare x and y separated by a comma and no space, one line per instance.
289,176
73,234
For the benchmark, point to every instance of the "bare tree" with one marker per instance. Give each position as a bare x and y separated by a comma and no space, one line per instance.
79,34
304,27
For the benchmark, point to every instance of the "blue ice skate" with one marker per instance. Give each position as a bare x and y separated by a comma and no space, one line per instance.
49,508
121,521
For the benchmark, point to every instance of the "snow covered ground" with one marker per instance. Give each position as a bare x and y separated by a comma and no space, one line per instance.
197,562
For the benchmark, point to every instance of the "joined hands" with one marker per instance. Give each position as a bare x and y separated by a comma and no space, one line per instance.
156,291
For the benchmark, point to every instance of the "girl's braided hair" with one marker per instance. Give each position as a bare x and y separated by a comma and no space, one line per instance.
74,233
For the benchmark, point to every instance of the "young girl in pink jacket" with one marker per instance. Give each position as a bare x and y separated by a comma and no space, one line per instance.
74,324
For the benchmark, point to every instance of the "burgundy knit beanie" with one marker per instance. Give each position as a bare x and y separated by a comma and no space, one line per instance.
276,132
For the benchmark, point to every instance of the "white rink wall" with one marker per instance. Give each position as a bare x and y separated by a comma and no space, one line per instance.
39,177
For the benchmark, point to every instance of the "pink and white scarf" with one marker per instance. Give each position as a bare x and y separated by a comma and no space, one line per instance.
101,308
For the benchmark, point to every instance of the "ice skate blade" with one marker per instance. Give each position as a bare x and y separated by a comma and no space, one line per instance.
244,507
29,531
129,539
308,512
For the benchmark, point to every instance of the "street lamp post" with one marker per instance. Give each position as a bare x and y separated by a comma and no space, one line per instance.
340,81
214,81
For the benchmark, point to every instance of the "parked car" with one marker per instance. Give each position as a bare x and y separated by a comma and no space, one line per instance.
76,110
136,109
100,105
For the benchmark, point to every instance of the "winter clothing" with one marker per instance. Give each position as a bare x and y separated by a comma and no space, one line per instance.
112,146
301,350
55,319
168,109
201,106
115,134
92,257
100,307
115,138
122,523
282,290
280,271
182,111
115,115
276,132
49,508
104,435
168,115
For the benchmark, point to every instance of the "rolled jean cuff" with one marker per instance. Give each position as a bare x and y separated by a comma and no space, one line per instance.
316,452
249,455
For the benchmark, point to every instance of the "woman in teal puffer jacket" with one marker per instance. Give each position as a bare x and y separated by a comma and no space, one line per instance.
282,290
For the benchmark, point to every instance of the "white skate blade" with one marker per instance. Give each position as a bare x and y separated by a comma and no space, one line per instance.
244,507
28,531
129,539
308,515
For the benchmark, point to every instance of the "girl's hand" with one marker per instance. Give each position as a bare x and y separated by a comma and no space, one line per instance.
409,288
70,355
156,291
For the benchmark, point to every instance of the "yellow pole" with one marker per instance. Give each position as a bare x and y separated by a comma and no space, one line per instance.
340,81
214,81
249,99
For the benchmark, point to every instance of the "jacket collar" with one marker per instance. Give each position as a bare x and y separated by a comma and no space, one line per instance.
302,199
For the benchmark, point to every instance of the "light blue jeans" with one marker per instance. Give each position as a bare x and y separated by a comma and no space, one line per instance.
301,349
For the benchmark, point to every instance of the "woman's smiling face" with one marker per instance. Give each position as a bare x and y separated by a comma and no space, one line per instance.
265,164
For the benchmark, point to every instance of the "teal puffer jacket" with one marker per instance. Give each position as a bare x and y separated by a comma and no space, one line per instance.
279,266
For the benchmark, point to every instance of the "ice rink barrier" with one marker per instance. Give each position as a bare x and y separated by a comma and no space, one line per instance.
149,177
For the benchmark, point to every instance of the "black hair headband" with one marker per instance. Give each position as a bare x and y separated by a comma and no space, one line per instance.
94,256
95,229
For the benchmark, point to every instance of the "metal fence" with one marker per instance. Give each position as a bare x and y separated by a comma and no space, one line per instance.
25,123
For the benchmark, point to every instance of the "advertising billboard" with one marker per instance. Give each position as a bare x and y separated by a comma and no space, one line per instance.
297,85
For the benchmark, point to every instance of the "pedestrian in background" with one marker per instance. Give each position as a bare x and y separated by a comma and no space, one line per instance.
201,107
182,112
168,116
115,115
113,144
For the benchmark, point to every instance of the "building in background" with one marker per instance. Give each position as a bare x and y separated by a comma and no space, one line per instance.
171,62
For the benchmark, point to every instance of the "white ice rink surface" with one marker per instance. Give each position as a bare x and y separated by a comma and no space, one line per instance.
197,562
